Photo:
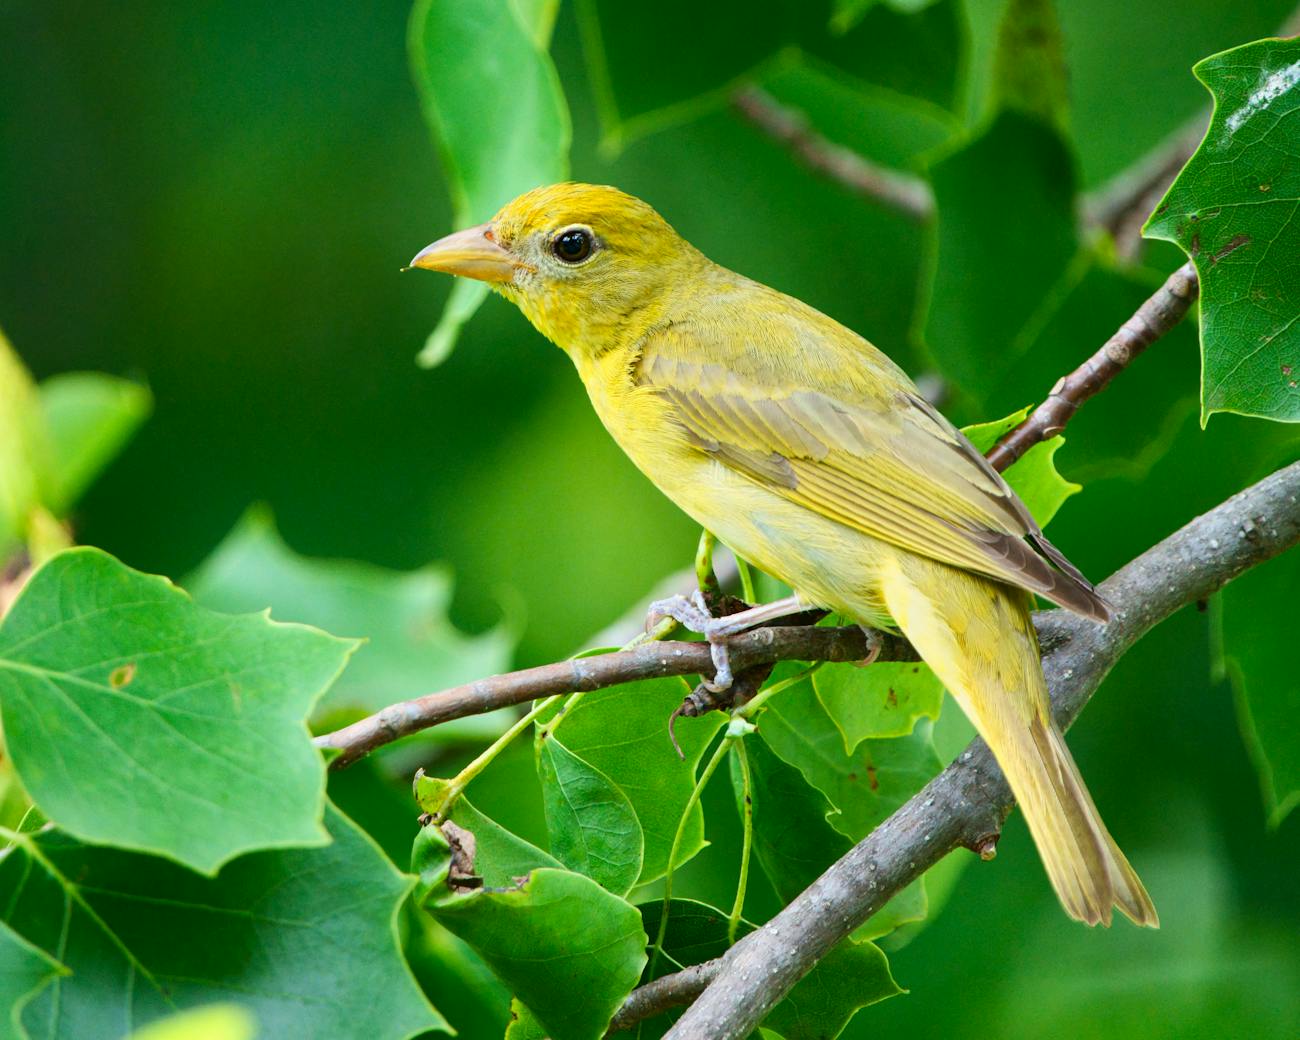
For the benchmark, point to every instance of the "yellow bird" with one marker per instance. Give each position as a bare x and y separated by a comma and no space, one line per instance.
812,455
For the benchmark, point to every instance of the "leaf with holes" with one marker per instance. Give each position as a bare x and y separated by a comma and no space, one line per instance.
567,948
1233,210
138,719
305,939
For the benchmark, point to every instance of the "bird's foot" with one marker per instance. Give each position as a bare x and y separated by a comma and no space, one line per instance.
693,612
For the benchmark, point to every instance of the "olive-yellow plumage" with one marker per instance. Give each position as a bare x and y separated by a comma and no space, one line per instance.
810,454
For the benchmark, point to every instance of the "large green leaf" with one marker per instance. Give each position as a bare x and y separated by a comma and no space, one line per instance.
303,938
570,950
592,824
623,733
25,970
1257,622
138,719
90,417
851,976
496,108
410,645
1233,209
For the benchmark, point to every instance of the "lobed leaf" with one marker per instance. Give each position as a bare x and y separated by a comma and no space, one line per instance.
1233,209
305,939
138,719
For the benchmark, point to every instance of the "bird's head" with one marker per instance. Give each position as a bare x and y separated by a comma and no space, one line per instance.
582,261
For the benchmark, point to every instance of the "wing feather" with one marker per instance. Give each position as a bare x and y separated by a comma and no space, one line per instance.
890,466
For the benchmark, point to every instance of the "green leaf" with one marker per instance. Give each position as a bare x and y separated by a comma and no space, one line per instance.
495,106
989,279
912,52
863,788
851,976
214,1022
568,949
890,130
1257,636
716,47
305,939
625,43
411,647
1033,476
25,970
1232,210
138,719
1029,72
623,733
90,417
882,700
24,450
593,827
793,841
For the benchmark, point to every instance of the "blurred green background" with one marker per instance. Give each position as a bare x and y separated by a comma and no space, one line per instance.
216,198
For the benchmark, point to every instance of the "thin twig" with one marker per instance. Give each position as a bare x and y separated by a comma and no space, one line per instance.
964,806
648,661
1161,312
905,193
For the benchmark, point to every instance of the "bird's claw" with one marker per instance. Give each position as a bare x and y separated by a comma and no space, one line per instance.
693,612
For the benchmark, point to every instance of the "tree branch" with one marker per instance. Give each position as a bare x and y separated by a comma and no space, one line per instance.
648,661
1161,312
787,126
967,802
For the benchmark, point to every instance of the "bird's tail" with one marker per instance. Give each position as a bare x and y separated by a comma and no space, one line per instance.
977,636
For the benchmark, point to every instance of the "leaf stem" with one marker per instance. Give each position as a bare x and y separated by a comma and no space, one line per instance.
691,803
747,842
746,580
705,578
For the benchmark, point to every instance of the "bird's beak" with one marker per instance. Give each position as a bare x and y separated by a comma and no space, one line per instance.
471,253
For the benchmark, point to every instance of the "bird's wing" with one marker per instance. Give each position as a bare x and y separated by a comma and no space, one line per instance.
882,461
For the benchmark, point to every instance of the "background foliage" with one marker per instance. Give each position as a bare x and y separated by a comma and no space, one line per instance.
213,201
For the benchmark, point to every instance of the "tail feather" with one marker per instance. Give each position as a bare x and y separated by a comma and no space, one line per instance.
977,636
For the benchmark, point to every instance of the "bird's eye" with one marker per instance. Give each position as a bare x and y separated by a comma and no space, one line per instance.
573,245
